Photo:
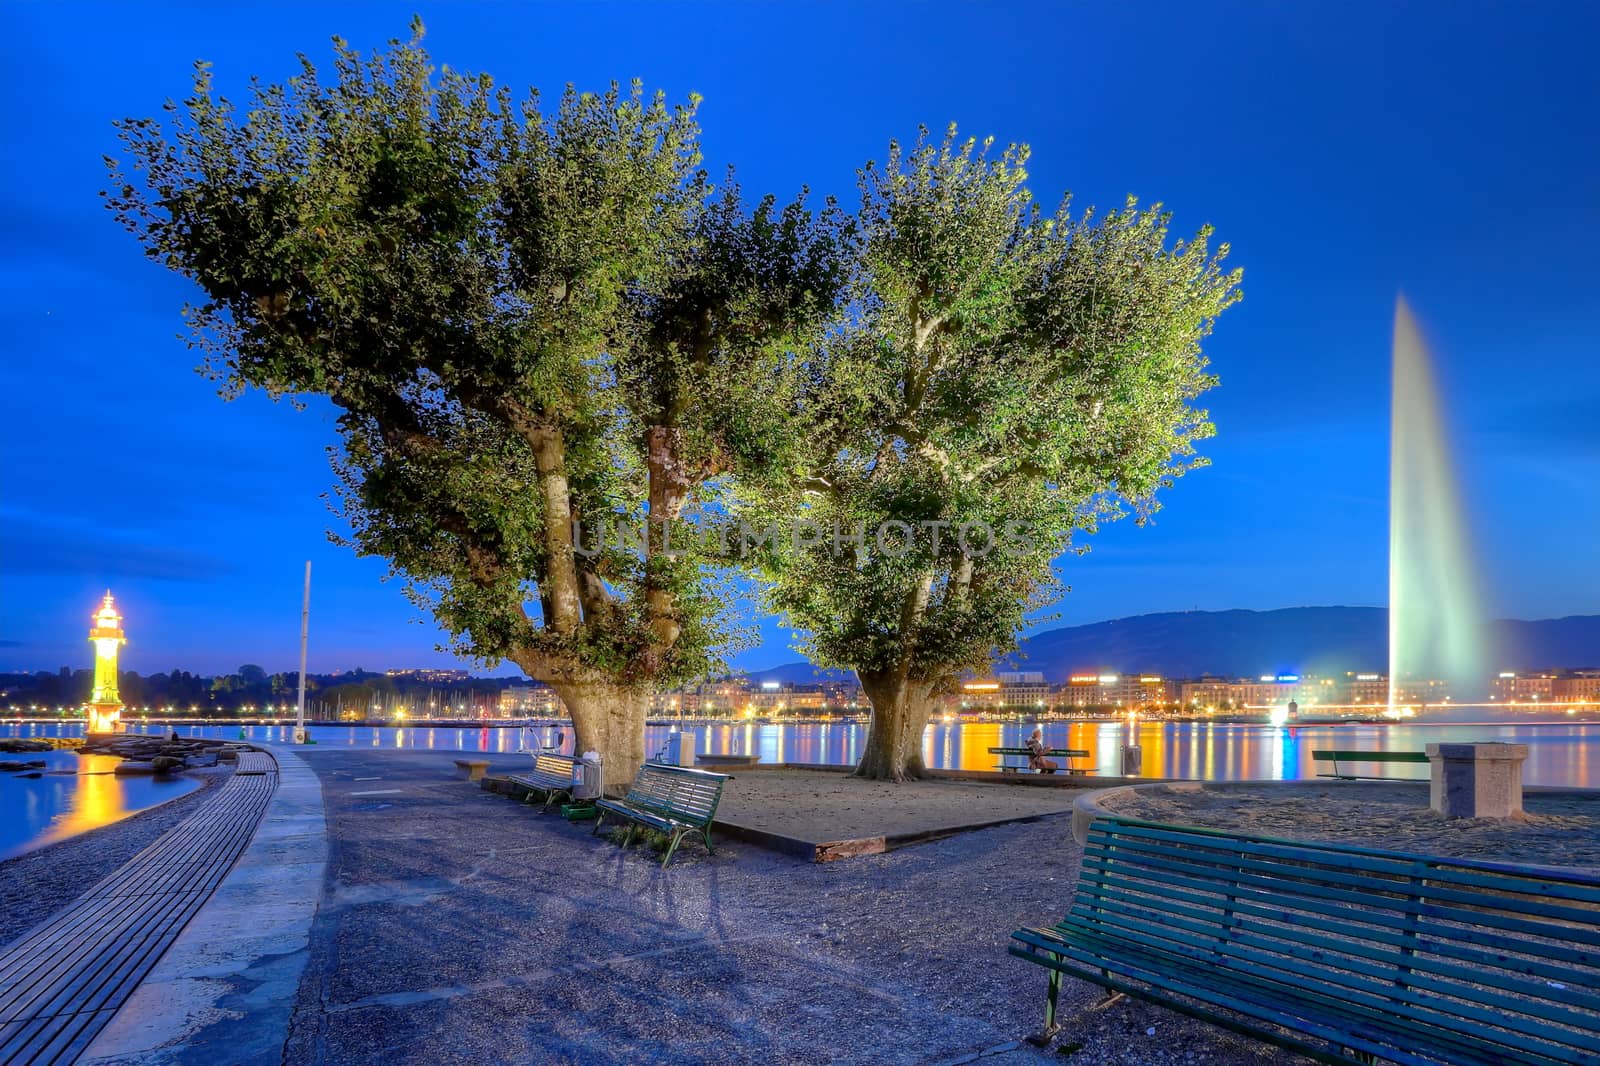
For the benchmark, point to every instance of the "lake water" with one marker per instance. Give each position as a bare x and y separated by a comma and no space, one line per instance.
77,793
1560,753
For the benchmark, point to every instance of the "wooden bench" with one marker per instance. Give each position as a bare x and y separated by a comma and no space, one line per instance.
1337,757
552,776
1344,954
1068,754
668,799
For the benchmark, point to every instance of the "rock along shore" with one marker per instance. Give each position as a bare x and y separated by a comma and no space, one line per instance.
143,754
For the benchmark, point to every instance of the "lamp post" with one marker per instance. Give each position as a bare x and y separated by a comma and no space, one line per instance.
305,625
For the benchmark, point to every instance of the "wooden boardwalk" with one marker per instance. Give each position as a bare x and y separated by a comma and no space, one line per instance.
60,984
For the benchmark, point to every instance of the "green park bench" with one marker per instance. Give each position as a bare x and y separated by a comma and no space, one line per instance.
669,799
1337,757
552,776
1344,954
1005,766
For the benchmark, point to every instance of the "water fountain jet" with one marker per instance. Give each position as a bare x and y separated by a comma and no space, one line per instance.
1435,617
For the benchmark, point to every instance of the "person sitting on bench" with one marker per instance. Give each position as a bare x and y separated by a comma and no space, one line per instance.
1036,750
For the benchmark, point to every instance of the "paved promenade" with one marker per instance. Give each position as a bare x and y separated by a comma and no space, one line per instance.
461,927
386,912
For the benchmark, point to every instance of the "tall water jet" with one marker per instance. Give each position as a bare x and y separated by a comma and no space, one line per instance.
1435,618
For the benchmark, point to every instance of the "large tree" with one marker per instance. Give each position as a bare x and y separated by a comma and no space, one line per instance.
1002,380
530,321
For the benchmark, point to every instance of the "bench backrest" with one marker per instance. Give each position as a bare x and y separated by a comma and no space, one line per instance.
1064,753
554,765
1482,955
686,794
1326,755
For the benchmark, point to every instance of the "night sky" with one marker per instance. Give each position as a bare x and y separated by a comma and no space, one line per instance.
1347,153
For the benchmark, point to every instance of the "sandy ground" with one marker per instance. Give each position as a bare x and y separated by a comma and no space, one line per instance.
1561,828
35,885
459,926
819,806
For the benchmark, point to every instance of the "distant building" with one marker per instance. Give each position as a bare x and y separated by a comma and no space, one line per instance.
523,701
1366,689
737,697
429,675
1579,686
1523,688
1430,691
1015,690
1267,690
1550,686
1207,693
1112,690
722,698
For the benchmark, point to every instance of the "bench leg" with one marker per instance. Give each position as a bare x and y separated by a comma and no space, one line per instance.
628,837
599,817
677,838
705,834
1107,999
1051,1026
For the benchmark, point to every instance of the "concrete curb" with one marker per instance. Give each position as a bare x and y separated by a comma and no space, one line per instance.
225,990
1086,808
834,850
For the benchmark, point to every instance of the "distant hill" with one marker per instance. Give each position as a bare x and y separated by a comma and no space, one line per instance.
1191,643
801,673
1295,639
1247,643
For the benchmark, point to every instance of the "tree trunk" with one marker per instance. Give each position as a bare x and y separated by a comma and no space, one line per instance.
609,718
900,709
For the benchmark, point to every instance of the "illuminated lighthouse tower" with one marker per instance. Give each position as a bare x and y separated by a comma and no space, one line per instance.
105,706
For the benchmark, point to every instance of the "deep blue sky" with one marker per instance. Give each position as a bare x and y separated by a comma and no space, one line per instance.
1346,151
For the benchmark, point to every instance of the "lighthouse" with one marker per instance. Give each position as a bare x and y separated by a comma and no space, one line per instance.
105,706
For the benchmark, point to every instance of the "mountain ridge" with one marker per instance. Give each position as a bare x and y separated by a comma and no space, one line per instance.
1242,642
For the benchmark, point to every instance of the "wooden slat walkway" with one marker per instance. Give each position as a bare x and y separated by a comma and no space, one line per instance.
60,984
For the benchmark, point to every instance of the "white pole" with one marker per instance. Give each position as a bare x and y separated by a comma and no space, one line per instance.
305,625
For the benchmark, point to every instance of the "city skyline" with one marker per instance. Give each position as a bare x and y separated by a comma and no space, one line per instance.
201,513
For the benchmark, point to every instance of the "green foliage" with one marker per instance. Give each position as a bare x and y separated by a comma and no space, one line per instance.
996,365
524,316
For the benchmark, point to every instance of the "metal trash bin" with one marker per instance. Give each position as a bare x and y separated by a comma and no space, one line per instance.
1132,760
588,777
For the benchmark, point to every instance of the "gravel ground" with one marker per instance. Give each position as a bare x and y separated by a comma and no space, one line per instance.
1561,828
461,927
818,806
35,885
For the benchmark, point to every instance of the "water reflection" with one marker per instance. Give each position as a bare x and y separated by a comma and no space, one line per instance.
1560,754
77,793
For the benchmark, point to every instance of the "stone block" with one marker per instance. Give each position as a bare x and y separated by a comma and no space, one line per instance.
1481,780
471,769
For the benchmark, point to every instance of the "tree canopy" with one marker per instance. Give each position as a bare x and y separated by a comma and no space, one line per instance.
1003,380
526,316
539,321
